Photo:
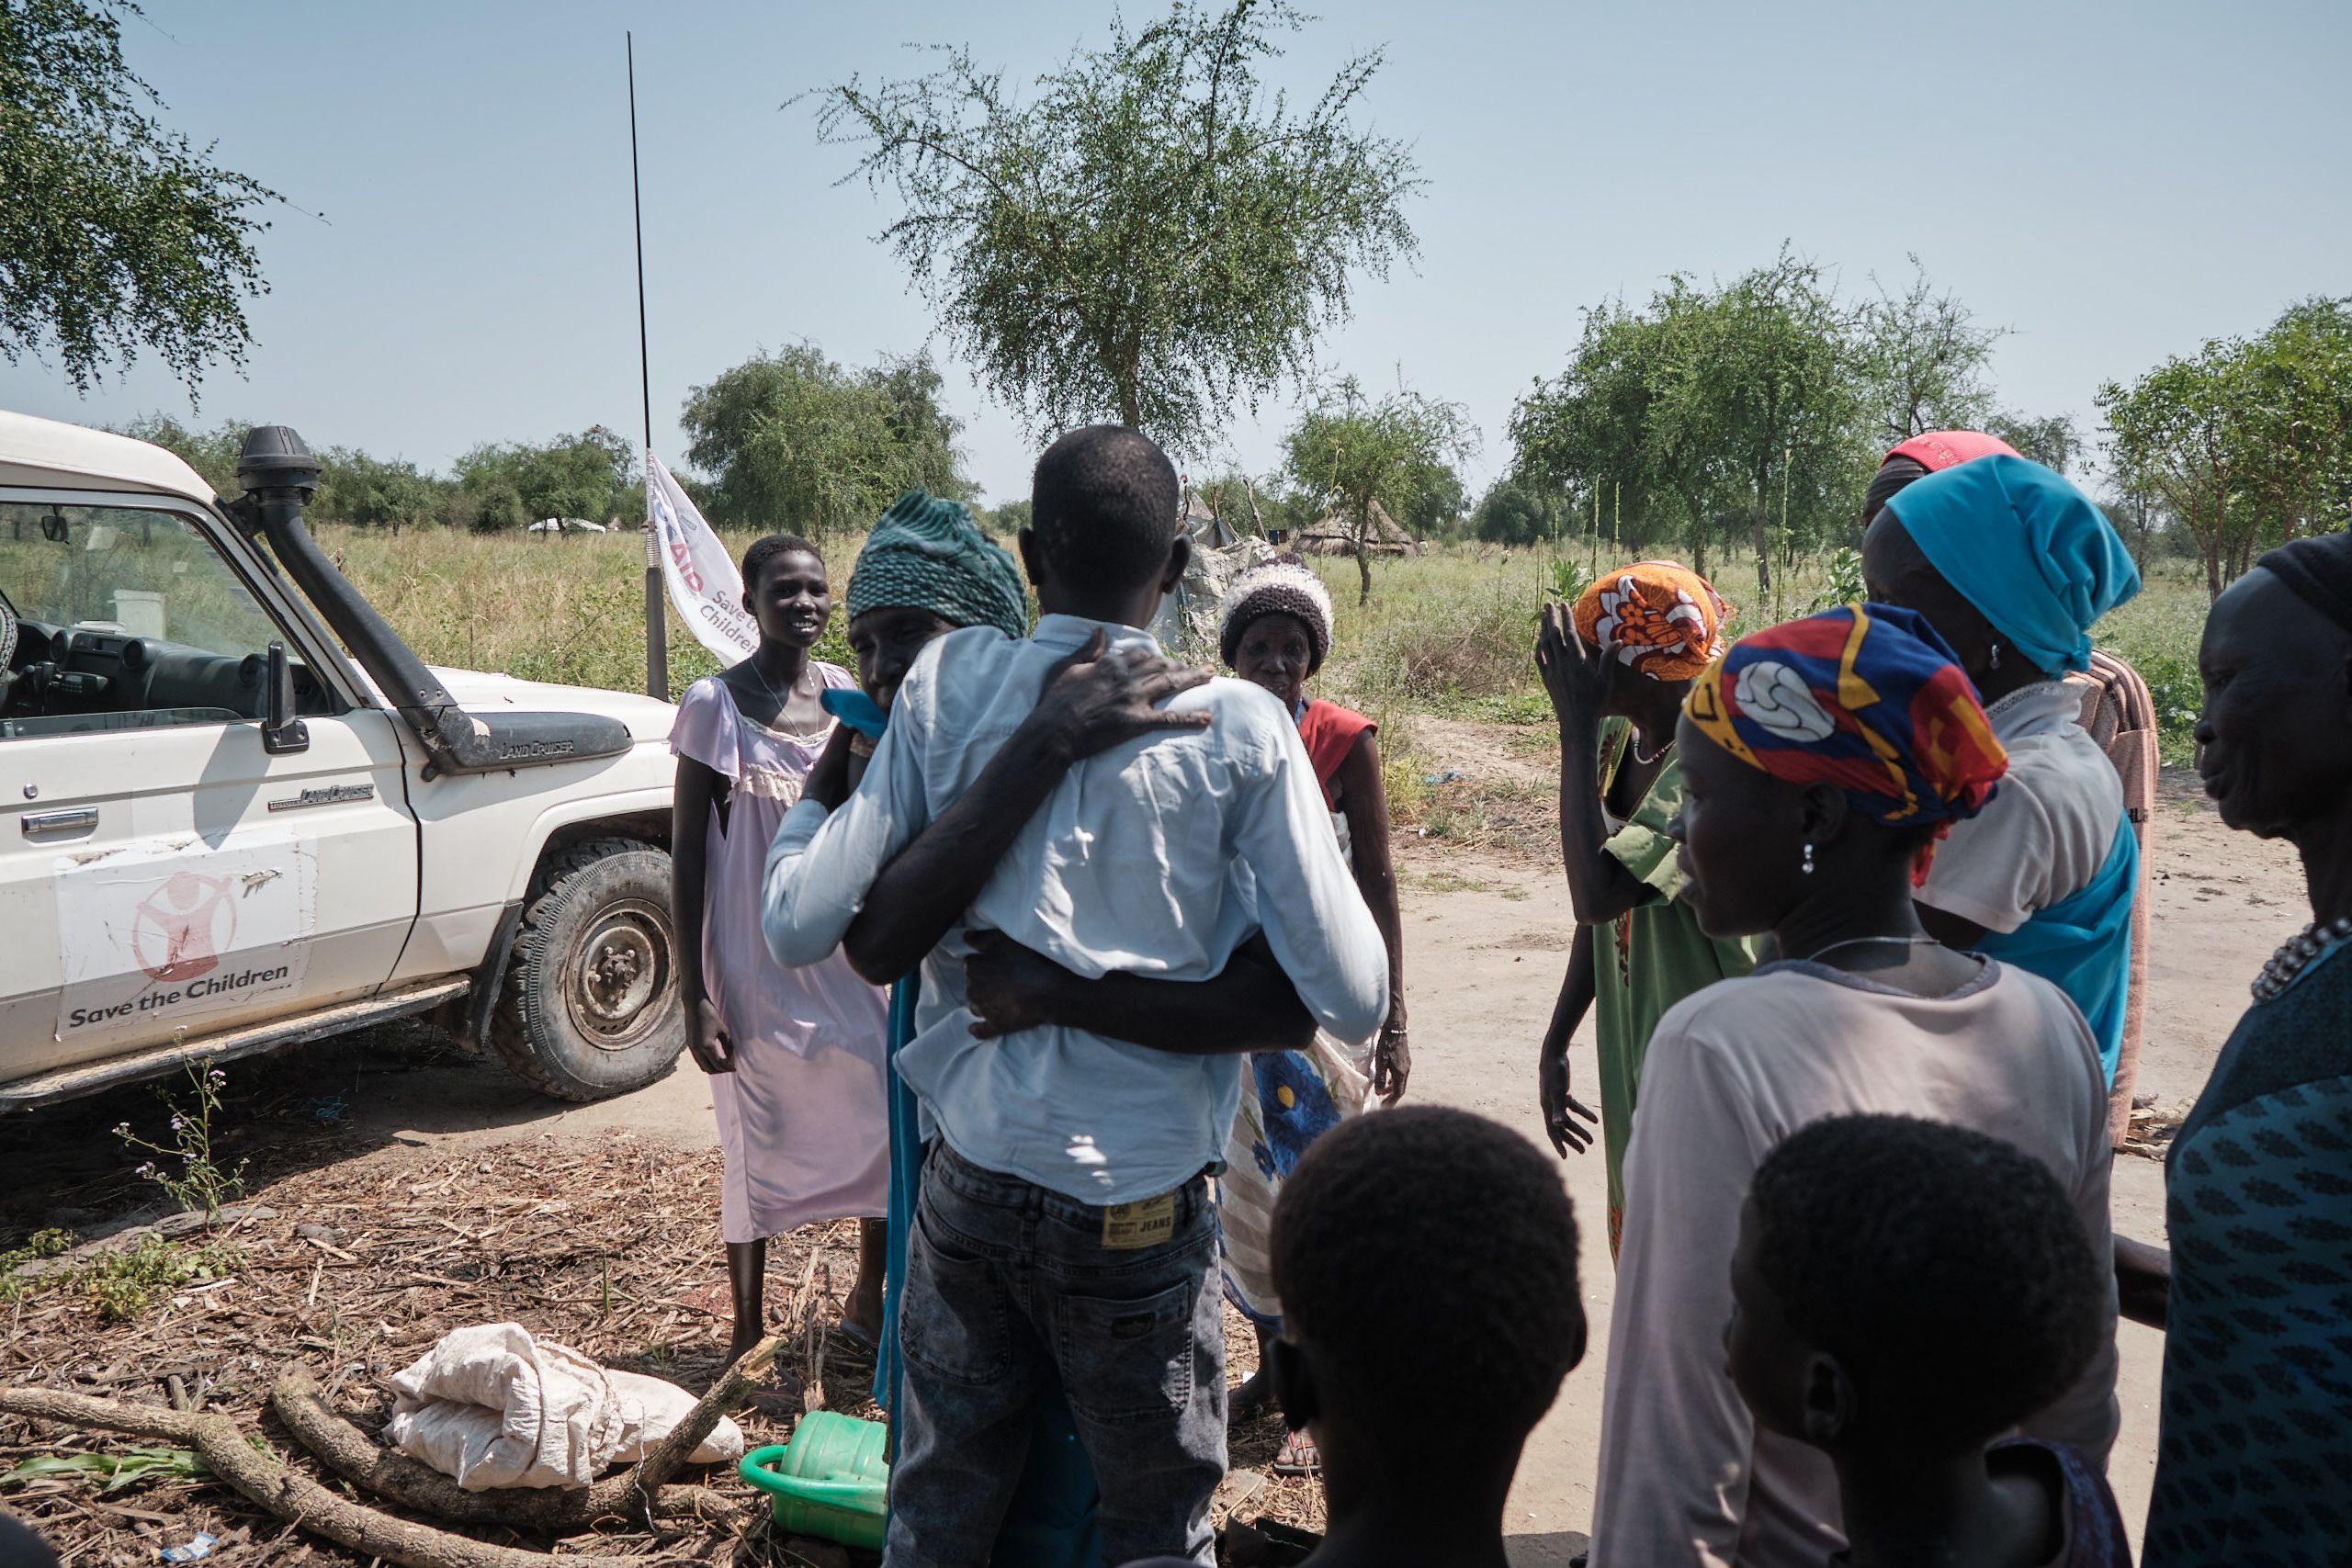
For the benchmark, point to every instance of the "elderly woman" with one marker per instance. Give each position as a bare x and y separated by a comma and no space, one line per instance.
2012,565
2254,1454
2117,712
1275,631
1822,762
1617,665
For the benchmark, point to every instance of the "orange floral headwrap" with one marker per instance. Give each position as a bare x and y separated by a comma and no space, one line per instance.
1663,619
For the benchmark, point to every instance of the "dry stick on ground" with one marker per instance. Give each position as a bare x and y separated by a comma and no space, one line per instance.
283,1491
360,1460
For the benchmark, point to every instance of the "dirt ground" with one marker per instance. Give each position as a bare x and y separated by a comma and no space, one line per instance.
1487,933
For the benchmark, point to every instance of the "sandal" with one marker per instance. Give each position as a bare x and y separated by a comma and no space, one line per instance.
1297,1456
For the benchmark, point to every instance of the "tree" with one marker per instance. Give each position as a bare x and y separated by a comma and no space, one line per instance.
795,441
2297,423
116,234
1232,498
1779,390
509,486
370,492
1152,236
1742,402
1517,511
1925,358
2053,441
2177,431
1355,452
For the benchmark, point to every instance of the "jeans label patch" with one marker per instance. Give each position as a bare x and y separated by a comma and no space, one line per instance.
1126,1226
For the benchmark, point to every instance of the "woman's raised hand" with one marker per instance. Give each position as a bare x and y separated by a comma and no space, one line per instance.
1575,677
1093,700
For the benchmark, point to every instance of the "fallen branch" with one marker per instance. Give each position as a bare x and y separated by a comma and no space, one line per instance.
287,1494
360,1460
639,1484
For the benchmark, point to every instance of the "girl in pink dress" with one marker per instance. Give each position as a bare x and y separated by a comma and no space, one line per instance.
795,1055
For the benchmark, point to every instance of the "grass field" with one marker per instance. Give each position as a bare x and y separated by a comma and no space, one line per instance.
1449,634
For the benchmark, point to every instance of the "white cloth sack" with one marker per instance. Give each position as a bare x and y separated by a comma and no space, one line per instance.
492,1406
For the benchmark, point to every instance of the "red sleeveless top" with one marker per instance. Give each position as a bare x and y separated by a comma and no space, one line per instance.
1329,732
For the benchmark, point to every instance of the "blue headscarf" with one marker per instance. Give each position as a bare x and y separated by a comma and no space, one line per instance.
2026,547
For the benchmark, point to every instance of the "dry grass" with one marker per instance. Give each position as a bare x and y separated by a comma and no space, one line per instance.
351,1258
1450,634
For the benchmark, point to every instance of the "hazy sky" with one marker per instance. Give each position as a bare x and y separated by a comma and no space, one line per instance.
2114,182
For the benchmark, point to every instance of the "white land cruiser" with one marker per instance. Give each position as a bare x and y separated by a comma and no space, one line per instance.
221,833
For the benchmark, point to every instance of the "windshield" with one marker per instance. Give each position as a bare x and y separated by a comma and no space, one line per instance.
126,572
127,617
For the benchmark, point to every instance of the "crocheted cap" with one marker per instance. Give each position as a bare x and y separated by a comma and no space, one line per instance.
1284,585
928,554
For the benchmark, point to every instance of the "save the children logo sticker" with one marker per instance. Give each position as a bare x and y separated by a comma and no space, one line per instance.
156,936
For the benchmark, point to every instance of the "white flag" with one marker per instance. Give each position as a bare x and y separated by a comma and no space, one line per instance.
704,584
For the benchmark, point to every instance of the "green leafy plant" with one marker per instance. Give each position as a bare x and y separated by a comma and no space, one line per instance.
1844,581
1570,578
140,1461
199,1182
40,1245
125,1283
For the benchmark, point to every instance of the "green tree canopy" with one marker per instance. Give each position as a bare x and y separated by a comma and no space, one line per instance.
1517,511
116,234
2248,443
1924,358
1353,451
1740,404
1150,235
796,442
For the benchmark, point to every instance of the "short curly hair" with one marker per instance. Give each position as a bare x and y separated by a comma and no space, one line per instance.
774,547
1105,505
1429,1251
1946,1270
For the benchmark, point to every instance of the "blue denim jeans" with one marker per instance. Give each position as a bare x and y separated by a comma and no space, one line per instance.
1010,1288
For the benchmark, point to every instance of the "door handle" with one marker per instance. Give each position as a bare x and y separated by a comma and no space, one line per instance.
74,819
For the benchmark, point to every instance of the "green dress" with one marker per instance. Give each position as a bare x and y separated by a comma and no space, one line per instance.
1645,960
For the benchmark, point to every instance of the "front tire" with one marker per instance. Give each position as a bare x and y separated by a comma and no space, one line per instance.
591,1007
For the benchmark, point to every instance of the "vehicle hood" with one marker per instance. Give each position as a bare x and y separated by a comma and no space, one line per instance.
647,718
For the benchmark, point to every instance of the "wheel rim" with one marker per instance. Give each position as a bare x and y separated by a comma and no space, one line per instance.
619,979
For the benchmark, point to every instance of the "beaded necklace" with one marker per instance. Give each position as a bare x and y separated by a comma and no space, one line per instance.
2296,955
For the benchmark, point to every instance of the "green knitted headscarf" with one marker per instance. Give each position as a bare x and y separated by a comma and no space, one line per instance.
927,554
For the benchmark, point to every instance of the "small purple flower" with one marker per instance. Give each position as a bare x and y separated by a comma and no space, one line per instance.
148,1169
122,1129
179,1123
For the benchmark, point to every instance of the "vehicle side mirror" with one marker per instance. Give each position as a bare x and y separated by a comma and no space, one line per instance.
281,732
53,527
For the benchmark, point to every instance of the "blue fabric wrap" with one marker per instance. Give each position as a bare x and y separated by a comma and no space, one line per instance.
2083,945
1050,1522
2025,546
854,708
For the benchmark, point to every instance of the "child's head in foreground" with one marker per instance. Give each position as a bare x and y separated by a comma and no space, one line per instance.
1908,1289
1427,1264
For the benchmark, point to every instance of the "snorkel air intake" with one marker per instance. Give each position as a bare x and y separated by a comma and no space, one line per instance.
278,475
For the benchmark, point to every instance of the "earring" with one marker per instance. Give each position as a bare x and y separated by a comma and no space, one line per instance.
1808,859
1996,656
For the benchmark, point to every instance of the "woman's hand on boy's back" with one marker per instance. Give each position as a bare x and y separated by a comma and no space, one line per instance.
1093,700
1008,988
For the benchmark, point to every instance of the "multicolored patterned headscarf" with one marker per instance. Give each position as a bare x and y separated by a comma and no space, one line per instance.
1662,619
928,554
1866,697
